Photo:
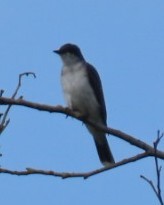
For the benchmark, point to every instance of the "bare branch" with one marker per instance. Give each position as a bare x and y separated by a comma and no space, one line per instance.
158,168
150,183
64,175
148,150
157,189
59,109
20,82
4,121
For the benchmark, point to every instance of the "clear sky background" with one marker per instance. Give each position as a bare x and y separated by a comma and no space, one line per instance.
124,40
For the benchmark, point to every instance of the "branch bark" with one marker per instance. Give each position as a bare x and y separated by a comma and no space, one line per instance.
149,151
64,110
64,175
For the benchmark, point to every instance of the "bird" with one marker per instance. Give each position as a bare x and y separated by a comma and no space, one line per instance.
83,93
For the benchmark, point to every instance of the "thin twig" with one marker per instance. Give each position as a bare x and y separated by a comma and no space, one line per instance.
84,175
5,122
20,82
150,183
158,168
157,189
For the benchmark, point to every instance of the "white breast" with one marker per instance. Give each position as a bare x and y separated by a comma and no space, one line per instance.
78,92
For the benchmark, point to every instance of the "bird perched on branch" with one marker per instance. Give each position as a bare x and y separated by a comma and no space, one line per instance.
83,92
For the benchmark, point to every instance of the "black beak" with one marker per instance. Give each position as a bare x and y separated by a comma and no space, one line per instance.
56,51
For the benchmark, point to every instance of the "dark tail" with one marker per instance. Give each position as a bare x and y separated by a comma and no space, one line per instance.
103,150
102,146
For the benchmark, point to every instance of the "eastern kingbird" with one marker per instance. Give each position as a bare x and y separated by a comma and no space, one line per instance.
83,92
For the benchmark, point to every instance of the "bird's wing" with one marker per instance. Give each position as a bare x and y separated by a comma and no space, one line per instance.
95,82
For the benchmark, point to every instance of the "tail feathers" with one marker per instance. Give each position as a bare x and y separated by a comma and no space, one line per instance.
103,150
102,146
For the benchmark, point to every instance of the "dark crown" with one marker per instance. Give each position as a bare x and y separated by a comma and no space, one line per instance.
69,48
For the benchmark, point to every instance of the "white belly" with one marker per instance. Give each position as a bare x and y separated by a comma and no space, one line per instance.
78,92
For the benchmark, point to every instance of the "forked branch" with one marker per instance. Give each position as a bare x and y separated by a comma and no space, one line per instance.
157,188
148,150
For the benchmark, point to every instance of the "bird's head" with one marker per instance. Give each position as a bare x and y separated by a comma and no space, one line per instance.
70,53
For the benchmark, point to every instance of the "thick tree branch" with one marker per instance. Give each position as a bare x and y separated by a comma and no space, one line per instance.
59,109
148,150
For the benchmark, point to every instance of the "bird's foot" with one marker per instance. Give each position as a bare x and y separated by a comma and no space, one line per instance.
77,113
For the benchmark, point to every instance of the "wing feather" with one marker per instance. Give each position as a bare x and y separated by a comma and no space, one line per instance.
96,84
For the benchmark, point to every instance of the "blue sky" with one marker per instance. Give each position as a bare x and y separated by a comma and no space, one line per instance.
124,41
